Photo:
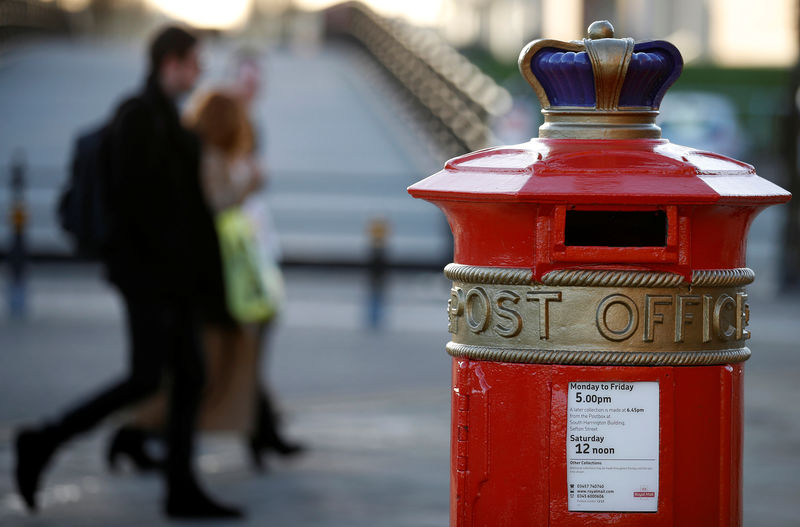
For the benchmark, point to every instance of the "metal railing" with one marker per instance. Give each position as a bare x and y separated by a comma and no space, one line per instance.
457,98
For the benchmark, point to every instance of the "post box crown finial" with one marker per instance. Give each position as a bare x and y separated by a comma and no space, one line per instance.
600,87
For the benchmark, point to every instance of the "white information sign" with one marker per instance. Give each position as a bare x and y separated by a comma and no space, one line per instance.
612,446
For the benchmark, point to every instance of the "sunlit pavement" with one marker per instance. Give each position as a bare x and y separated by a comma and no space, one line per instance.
372,406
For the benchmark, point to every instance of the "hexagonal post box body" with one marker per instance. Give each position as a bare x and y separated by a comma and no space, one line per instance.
598,310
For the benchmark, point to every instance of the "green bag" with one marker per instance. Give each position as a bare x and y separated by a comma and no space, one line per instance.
253,282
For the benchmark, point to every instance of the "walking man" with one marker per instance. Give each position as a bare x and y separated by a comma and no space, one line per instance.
162,247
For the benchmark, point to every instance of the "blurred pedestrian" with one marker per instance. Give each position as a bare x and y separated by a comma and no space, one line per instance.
378,232
158,258
232,178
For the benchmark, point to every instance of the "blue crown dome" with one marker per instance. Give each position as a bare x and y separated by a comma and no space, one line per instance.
600,75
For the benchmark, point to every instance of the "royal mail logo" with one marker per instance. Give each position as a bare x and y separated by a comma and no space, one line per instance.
643,494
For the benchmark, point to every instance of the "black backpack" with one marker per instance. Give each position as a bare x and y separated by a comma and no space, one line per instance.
84,211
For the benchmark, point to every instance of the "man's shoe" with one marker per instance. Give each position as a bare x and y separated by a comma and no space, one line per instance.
192,503
34,448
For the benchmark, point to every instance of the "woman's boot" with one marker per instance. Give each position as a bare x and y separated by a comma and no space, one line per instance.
131,442
267,437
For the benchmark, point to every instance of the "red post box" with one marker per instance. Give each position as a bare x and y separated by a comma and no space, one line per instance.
598,310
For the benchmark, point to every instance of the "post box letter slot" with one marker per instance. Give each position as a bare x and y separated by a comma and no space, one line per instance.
615,228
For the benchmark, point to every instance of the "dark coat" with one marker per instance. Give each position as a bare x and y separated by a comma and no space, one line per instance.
165,244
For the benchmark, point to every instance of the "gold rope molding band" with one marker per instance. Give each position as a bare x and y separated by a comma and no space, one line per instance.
592,278
488,275
612,279
723,277
605,358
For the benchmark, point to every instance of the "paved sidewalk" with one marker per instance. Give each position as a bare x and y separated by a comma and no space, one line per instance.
372,405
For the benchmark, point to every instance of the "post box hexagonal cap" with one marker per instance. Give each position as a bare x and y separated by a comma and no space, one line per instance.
600,87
